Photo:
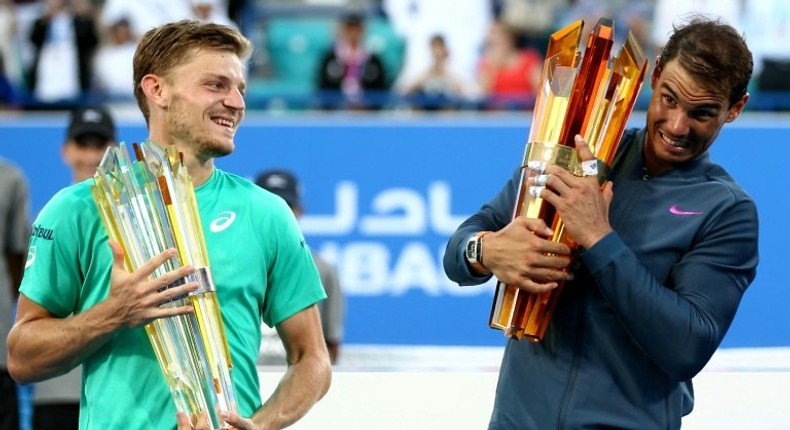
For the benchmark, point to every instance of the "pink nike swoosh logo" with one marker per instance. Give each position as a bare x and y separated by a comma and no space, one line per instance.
674,210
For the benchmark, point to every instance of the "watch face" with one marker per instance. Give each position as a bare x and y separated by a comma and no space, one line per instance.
471,249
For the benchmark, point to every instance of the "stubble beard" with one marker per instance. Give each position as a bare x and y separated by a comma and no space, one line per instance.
197,138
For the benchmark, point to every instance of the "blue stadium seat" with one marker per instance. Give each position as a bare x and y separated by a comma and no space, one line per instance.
295,46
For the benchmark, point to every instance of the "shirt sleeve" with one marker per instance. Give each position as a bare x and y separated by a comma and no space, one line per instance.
52,274
680,322
294,282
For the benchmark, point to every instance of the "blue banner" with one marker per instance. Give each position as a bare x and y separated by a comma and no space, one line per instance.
383,194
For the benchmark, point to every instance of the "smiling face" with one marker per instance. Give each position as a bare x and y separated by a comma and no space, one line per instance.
202,104
684,117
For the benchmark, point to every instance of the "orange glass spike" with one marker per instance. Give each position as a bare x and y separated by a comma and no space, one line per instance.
596,56
564,44
557,78
631,63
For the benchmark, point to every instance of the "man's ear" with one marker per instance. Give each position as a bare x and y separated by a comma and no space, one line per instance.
656,73
65,152
155,90
737,108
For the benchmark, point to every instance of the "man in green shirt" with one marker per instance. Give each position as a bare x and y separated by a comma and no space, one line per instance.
79,305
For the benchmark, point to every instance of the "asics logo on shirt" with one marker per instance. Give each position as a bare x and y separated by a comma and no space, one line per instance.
675,211
31,257
222,222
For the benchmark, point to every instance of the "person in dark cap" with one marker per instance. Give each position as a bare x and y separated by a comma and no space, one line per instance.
284,184
91,130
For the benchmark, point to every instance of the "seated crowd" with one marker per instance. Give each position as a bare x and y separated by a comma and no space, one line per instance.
388,55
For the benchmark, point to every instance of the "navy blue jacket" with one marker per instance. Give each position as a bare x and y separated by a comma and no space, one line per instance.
648,306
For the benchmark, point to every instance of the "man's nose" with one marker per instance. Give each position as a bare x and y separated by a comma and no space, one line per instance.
678,123
235,99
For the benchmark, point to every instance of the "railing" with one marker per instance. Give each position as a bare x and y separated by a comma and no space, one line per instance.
289,100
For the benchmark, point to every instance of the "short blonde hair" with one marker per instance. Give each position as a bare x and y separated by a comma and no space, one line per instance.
163,48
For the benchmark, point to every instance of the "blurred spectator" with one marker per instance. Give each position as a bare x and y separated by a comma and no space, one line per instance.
463,24
8,96
10,76
531,20
64,40
113,63
508,76
14,233
349,75
9,70
144,15
15,36
211,11
438,87
56,401
91,130
768,32
240,12
285,185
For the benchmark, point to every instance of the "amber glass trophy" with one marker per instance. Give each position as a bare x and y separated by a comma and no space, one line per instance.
591,95
148,206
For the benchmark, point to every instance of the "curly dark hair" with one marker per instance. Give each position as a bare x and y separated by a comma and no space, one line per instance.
712,51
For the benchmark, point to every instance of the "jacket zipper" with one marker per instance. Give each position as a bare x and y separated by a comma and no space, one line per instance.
632,198
566,398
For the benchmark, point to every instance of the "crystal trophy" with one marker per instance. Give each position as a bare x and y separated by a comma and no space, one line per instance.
148,206
591,95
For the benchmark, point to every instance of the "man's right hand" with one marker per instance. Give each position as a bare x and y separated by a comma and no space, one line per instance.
523,255
41,345
137,298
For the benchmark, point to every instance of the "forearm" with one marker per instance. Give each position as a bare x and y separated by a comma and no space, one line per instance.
303,384
42,347
493,216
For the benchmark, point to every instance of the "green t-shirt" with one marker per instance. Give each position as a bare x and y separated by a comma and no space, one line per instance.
260,264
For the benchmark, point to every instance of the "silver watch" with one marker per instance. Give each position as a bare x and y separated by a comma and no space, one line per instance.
474,249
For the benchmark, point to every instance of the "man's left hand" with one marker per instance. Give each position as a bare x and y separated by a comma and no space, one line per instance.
233,420
582,204
237,422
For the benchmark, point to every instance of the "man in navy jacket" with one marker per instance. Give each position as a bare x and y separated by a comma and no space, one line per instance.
667,248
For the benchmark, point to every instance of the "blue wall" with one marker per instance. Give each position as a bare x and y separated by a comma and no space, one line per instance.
382,195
